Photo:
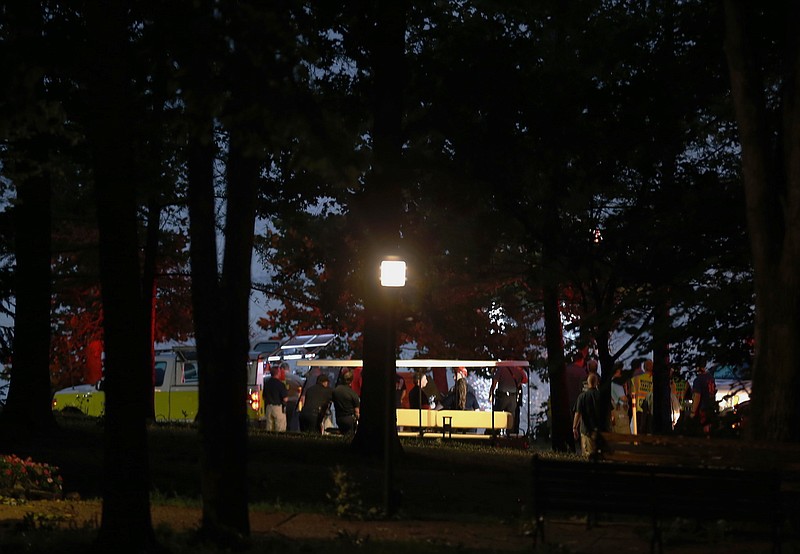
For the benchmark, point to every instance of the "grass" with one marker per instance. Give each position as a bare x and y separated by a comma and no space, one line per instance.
290,473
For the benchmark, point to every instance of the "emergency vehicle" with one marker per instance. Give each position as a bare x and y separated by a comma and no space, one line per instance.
176,389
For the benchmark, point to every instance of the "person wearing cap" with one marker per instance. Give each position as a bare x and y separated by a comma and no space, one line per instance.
314,405
460,396
417,396
275,397
346,403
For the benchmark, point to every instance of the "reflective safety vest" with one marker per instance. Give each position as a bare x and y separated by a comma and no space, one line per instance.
641,386
680,387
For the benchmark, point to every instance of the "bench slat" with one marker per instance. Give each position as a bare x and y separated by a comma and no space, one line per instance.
459,419
655,491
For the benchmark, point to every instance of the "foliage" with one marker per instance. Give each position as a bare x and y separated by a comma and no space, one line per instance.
35,521
346,497
489,163
27,478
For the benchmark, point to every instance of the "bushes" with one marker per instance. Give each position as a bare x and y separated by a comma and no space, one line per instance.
28,479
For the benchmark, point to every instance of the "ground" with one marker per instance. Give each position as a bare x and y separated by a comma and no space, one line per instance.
497,536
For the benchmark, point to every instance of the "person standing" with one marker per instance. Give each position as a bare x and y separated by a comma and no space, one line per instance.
505,388
642,386
586,421
417,397
294,388
575,377
346,404
314,405
400,391
275,397
680,393
704,398
680,390
620,408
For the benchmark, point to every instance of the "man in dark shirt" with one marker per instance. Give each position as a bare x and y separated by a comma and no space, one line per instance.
315,403
704,398
346,403
275,395
505,390
587,415
417,396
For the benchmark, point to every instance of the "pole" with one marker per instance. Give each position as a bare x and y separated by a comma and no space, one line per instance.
391,416
419,389
528,424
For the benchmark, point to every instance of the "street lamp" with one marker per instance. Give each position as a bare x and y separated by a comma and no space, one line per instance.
393,276
393,273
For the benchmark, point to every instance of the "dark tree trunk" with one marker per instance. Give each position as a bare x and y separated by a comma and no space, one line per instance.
221,309
771,175
662,407
560,410
230,436
149,295
606,372
28,406
126,493
126,522
220,303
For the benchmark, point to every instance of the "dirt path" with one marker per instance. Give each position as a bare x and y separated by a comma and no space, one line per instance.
294,525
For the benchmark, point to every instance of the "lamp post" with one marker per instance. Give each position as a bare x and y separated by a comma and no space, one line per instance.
393,276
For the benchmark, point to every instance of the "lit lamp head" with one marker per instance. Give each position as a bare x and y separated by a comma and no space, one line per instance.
393,273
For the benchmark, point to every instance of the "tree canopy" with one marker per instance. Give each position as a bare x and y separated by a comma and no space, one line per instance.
548,194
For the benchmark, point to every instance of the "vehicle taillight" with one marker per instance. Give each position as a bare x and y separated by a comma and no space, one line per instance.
255,401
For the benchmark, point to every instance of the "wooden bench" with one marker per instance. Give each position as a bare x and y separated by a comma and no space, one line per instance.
452,423
696,451
593,487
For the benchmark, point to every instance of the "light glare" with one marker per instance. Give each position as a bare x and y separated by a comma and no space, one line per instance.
393,273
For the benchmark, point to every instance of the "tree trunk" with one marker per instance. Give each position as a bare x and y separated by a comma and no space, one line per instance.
662,407
221,327
29,396
232,427
28,407
771,175
222,426
219,303
126,522
560,410
149,288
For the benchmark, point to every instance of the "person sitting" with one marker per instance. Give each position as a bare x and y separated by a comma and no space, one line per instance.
461,396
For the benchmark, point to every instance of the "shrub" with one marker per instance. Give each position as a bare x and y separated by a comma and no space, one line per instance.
27,478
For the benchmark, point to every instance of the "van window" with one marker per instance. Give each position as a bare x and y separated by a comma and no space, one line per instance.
161,369
189,373
266,347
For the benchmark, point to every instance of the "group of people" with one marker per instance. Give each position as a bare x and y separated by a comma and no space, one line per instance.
626,404
504,394
313,401
460,396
